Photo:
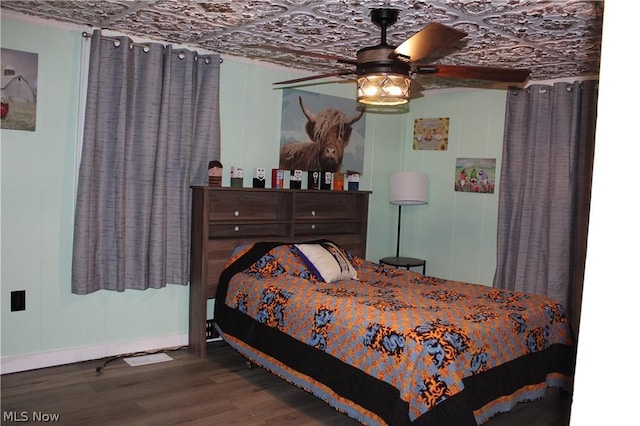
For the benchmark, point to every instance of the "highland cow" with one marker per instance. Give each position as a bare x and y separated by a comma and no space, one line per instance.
329,131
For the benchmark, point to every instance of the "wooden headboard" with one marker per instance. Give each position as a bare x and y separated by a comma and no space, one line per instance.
223,218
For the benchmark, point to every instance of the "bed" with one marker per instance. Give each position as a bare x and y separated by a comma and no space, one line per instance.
390,346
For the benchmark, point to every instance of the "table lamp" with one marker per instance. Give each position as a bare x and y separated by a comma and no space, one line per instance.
407,188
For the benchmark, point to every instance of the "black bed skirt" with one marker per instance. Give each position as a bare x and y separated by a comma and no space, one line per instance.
374,395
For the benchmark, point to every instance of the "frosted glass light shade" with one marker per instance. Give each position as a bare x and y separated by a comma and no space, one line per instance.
409,188
383,89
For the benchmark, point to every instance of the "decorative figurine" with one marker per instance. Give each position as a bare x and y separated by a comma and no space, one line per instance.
277,178
215,173
353,179
313,179
327,178
338,181
295,181
237,177
259,175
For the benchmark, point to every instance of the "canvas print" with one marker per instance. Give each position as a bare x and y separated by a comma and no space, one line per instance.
475,175
431,134
19,89
321,132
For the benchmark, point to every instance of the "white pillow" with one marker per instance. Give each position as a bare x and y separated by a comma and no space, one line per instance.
327,262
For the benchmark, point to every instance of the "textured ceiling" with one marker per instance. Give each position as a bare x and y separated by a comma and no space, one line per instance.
554,39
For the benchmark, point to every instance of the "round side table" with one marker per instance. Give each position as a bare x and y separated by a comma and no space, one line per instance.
407,262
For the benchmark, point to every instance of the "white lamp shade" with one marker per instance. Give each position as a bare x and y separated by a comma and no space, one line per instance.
409,188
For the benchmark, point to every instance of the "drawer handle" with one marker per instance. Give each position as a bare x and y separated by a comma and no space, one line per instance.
237,228
313,226
313,212
236,213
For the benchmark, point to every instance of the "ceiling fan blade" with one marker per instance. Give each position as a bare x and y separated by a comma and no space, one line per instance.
317,76
416,89
304,53
514,75
428,40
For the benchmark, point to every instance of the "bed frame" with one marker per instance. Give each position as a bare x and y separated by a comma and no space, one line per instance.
223,218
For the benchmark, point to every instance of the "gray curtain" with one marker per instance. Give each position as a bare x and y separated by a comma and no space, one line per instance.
545,191
151,127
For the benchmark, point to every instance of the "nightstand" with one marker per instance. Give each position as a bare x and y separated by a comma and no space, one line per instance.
407,262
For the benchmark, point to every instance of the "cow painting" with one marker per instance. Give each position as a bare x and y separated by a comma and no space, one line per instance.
329,131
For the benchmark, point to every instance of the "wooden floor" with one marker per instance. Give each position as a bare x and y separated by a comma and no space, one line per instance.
218,390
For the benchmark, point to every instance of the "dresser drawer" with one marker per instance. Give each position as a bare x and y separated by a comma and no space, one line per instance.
249,205
325,227
244,230
326,205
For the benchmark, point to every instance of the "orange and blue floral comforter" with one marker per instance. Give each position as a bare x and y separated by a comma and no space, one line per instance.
393,347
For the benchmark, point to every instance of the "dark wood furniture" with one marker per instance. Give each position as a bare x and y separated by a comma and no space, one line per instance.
407,262
223,218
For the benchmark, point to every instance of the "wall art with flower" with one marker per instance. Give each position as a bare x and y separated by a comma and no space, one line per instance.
475,175
431,134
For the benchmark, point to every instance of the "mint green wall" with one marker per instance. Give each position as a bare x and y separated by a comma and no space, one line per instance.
38,172
455,232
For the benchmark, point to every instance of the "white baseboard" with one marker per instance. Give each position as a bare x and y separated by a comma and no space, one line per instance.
17,363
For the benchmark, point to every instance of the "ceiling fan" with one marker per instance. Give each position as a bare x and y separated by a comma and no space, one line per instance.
385,74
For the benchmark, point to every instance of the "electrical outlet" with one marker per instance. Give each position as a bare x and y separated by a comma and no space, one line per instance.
18,300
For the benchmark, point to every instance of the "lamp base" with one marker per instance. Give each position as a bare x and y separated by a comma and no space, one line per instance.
398,239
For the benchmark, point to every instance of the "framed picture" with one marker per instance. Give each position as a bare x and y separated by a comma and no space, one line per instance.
19,89
321,132
475,175
431,134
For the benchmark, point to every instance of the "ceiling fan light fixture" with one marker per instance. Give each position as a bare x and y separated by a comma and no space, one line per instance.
386,89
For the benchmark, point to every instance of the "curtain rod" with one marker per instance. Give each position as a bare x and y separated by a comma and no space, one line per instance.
116,42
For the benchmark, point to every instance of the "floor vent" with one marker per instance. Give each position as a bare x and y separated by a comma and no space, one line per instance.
147,359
